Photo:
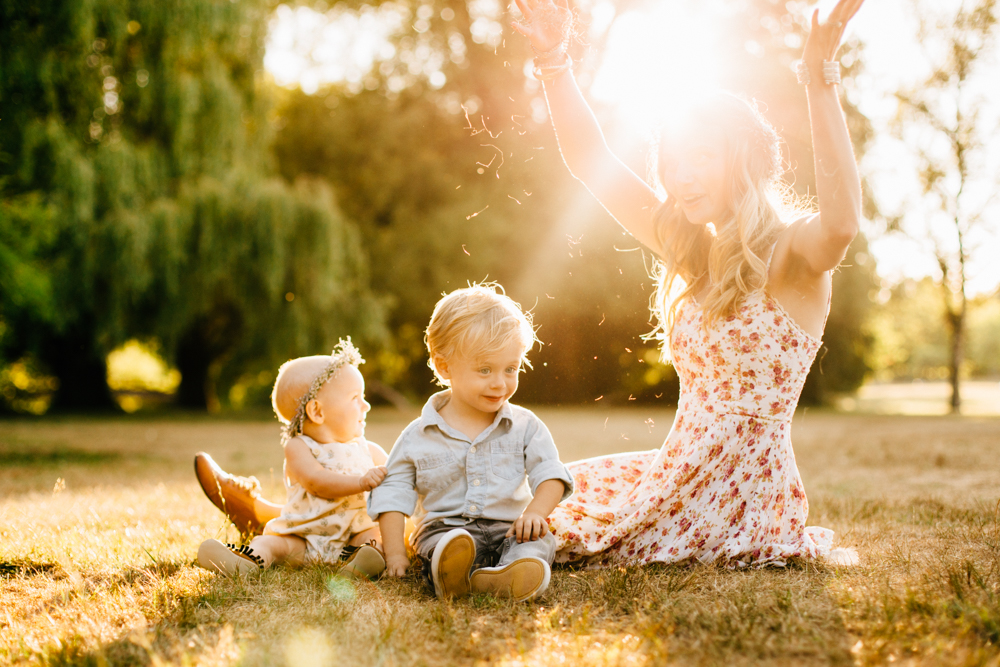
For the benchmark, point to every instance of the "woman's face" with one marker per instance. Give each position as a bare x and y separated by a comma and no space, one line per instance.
694,172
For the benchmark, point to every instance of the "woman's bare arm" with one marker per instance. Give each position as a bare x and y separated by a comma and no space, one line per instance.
625,196
823,240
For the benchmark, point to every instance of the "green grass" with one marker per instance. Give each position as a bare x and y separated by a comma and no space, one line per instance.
100,521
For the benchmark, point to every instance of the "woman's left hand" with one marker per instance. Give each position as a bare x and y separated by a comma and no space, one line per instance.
824,38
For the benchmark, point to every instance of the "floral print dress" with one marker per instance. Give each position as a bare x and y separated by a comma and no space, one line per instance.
724,486
326,525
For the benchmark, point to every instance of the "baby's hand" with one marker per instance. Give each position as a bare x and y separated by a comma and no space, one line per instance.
395,565
372,478
529,527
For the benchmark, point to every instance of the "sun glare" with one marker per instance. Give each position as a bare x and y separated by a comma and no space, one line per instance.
655,58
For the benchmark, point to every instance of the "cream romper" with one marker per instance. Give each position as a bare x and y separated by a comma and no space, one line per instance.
326,525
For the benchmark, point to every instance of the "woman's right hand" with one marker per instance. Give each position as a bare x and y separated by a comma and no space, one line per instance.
546,23
824,38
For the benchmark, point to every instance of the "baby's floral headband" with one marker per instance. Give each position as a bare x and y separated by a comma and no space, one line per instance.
343,353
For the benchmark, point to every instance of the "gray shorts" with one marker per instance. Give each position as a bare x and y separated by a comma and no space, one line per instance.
493,547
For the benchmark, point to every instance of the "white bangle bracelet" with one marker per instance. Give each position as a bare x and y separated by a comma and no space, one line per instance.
831,72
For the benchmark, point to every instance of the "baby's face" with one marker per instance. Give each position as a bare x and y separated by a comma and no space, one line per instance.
344,404
482,382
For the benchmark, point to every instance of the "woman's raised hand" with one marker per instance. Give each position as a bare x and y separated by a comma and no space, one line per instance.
546,23
824,38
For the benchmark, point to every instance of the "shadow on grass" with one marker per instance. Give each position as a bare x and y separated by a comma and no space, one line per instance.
58,455
24,567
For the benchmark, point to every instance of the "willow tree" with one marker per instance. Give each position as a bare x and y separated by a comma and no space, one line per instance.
136,134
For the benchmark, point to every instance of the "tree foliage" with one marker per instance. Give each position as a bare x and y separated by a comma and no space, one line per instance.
138,199
151,188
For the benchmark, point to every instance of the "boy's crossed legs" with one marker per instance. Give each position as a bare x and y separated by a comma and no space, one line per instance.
498,564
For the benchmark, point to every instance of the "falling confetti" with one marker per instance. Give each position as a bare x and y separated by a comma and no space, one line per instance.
465,251
515,199
649,423
603,317
470,217
499,152
482,119
628,350
599,398
631,397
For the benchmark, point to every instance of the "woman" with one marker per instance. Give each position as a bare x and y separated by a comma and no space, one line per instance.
742,302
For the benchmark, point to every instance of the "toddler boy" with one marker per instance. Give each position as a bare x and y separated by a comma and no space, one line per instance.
484,473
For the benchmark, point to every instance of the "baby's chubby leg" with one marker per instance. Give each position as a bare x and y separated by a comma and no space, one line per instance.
365,537
275,549
263,551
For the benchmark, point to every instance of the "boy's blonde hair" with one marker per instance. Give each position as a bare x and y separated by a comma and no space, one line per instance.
476,319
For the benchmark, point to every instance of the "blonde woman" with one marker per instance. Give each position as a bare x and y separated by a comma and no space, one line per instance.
742,301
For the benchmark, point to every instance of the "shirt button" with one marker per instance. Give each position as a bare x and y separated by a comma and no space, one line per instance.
472,508
475,482
472,450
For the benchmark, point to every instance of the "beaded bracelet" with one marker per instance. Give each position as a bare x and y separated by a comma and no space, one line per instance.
549,72
831,72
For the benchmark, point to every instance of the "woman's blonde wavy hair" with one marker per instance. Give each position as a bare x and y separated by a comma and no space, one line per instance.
733,258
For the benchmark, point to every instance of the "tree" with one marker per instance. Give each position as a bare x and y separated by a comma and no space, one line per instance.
134,152
943,120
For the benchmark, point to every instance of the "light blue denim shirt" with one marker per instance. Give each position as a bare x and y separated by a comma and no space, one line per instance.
436,472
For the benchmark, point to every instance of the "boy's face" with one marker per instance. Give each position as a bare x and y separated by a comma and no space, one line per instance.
482,382
344,405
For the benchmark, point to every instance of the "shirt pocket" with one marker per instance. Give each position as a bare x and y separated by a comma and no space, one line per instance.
507,459
435,472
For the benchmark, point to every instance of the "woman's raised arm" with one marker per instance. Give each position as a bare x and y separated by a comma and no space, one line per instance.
625,195
823,240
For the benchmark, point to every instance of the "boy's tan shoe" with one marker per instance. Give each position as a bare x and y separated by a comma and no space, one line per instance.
523,579
450,564
228,559
233,495
364,562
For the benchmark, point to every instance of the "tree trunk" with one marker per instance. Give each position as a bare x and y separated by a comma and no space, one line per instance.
82,371
957,322
193,360
199,357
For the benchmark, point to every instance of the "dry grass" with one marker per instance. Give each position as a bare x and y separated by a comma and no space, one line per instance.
98,569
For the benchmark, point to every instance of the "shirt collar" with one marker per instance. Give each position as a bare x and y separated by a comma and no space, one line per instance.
430,415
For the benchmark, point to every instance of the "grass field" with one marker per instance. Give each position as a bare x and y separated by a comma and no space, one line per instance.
100,521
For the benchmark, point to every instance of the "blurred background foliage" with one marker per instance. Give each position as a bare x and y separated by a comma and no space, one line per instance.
173,224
